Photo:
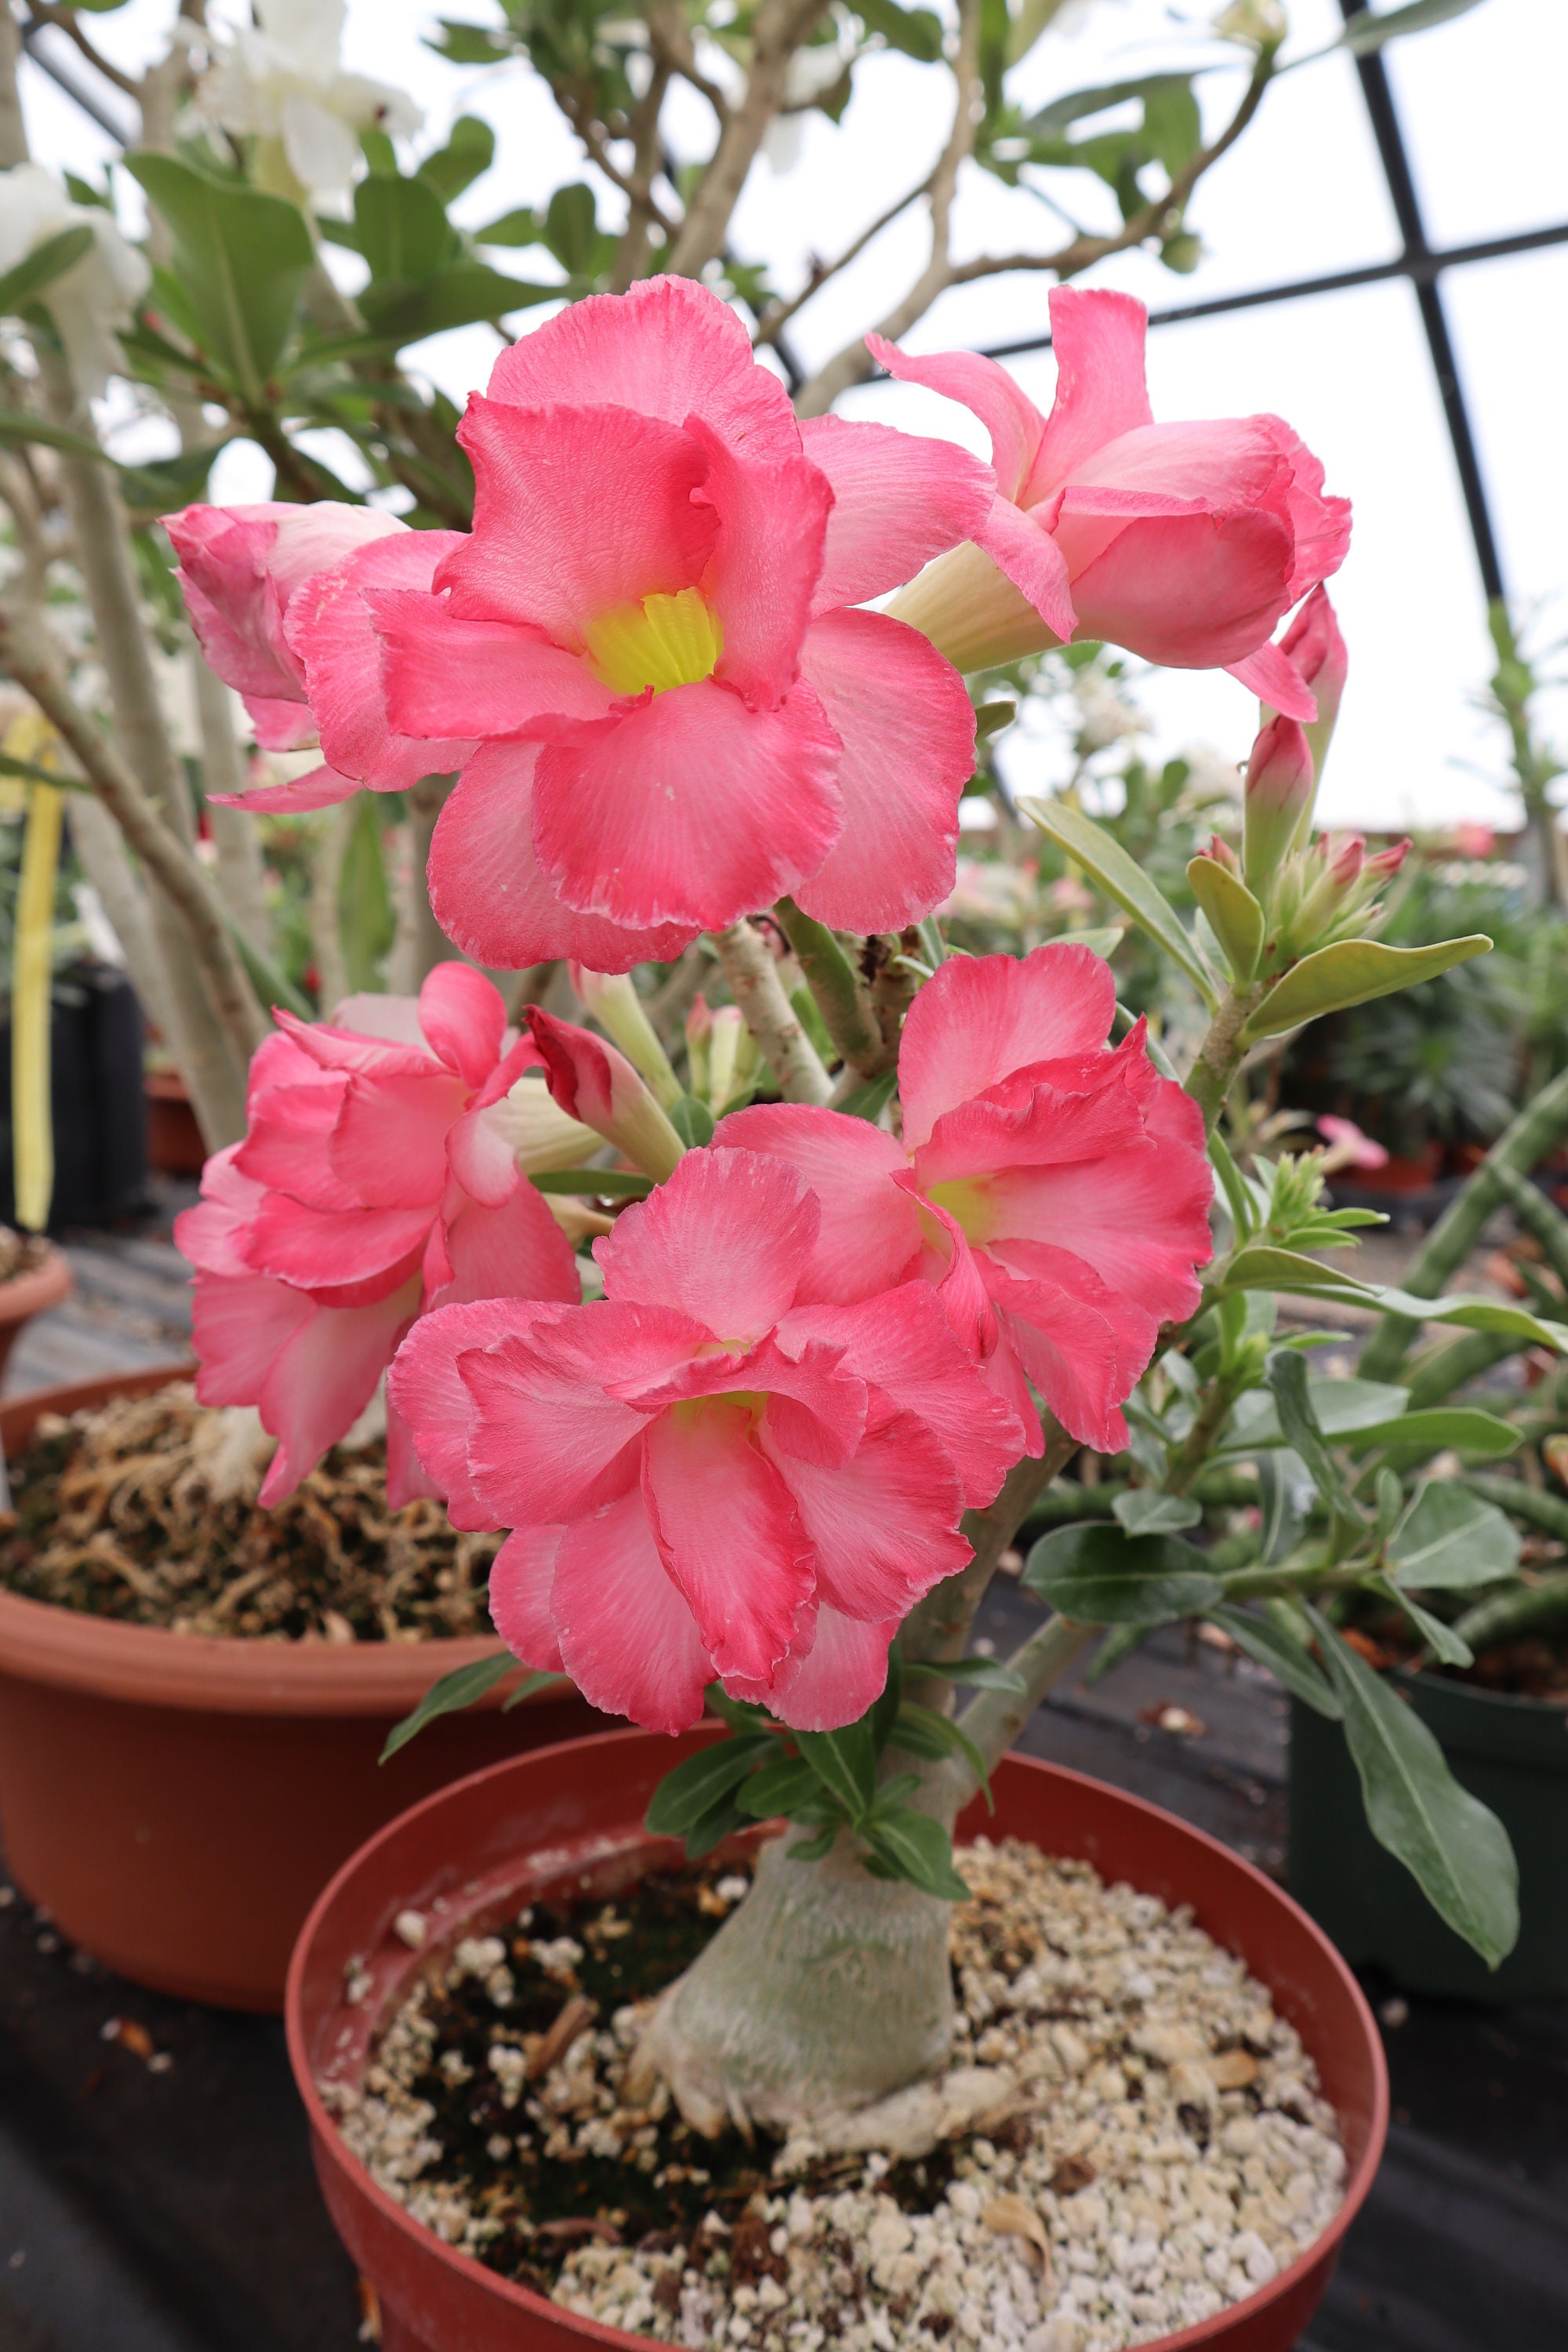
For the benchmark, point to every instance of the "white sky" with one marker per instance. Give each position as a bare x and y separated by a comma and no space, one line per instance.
1300,195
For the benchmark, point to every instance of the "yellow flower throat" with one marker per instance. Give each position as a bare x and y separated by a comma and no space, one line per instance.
665,641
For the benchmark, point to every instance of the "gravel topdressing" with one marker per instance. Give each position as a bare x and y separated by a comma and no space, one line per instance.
1154,2146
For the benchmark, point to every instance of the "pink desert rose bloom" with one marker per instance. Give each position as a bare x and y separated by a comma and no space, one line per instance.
701,1481
379,1177
1186,543
1348,1146
655,632
275,595
1070,1180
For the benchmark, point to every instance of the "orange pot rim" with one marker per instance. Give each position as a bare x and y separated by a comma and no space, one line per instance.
43,1286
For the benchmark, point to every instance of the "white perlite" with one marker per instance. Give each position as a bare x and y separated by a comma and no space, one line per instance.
1160,2151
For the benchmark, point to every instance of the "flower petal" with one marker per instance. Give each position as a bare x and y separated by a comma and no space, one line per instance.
1139,1216
1020,547
907,726
330,629
980,1018
1003,406
668,348
627,1638
1193,592
463,1020
1082,1343
514,1250
773,521
538,473
1097,340
726,1240
1273,677
883,1528
493,678
318,788
425,1388
691,810
491,895
869,1232
388,1148
320,1381
726,1531
898,500
833,1681
522,1576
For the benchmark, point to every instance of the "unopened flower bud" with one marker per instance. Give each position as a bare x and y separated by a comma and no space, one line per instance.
1277,802
592,1082
699,1036
614,1002
1313,645
724,1051
1222,852
1387,862
1260,22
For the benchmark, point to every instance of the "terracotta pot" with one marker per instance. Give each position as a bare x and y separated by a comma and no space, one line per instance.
178,1801
26,1294
571,1816
174,1143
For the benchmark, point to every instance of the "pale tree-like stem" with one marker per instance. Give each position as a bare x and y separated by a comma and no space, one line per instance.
1221,1054
778,29
241,870
938,1627
326,931
634,255
101,846
755,986
994,1719
431,946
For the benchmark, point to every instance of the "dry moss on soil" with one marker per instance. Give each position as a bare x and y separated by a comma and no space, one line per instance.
144,1510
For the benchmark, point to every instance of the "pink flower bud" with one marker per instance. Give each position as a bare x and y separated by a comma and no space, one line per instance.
613,1000
1313,644
1278,803
1346,857
1222,854
1387,862
590,1081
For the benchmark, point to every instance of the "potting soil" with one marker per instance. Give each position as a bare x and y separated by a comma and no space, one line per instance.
1153,2146
144,1510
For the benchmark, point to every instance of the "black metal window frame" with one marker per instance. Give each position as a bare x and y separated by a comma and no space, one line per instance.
1416,262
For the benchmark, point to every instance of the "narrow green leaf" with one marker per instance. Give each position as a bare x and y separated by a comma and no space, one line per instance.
1300,1426
1464,1427
1120,1643
40,268
1450,1541
607,1183
949,1737
1237,1198
459,295
459,1689
1144,1511
1121,879
1281,1475
1234,915
885,1713
16,429
1442,1640
694,1786
844,1761
738,1713
1457,1850
916,1848
1341,1408
692,1121
779,1786
518,228
1352,971
367,920
1367,31
1285,1659
870,1100
812,1849
714,1828
978,1674
1097,1575
401,229
531,1682
916,31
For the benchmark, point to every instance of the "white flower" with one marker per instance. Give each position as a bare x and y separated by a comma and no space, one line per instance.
95,294
283,80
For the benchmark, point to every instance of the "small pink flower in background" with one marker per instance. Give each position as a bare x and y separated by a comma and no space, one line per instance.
1474,840
275,594
1186,543
705,1479
1057,1191
1348,1146
380,1175
680,712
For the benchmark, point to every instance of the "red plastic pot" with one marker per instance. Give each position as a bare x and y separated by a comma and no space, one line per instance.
178,1801
34,1293
572,1816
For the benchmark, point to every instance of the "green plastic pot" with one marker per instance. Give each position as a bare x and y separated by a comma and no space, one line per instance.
1513,1753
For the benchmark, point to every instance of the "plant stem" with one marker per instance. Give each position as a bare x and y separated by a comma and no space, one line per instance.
833,983
1525,1608
1520,1147
1221,1054
755,986
938,1626
994,1719
1547,1512
1193,1452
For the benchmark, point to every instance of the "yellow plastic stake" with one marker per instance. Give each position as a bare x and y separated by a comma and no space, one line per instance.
31,738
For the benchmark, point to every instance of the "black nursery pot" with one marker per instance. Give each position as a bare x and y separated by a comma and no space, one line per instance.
1512,1753
99,1115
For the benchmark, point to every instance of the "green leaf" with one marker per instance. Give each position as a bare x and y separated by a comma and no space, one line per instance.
40,268
844,1761
459,1689
978,1674
915,31
782,1785
472,44
1367,31
1464,1427
1234,915
1298,1424
712,1827
1450,1541
812,1849
870,1100
1340,1408
1098,1575
695,1787
924,1731
1079,104
1457,1850
1442,1640
402,230
366,917
1280,1475
692,1121
1144,1511
519,227
528,1684
1286,1660
740,1713
17,428
469,150
458,296
913,1847
1118,1643
1479,1314
1109,865
239,257
570,227
1352,971
605,1183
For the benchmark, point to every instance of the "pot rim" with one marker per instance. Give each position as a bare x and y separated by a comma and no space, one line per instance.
526,2303
43,1286
210,1674
1504,1702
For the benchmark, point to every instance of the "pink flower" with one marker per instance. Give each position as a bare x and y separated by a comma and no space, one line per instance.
653,635
1058,1192
702,1481
380,1176
275,595
1185,542
1348,1146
